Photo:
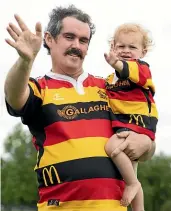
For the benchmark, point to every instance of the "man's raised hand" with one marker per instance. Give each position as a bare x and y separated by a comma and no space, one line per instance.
24,41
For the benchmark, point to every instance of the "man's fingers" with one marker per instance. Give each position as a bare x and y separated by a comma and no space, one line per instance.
119,148
123,145
130,154
11,43
38,29
15,29
12,33
21,23
123,134
127,151
132,158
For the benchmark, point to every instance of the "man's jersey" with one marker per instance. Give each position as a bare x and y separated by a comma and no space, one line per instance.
70,123
131,98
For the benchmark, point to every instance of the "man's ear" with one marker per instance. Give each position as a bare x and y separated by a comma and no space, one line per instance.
48,38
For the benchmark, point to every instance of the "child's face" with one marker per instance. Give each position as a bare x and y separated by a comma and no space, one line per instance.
129,46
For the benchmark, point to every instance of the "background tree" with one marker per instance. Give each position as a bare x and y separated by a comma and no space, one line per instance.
18,178
156,180
155,176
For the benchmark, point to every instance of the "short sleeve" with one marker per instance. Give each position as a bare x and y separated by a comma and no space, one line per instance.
32,106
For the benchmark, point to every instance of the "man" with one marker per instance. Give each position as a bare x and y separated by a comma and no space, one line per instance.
61,110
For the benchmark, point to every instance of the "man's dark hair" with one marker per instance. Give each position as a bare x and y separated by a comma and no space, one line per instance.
59,13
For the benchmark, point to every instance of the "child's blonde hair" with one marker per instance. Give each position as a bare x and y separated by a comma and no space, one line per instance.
132,27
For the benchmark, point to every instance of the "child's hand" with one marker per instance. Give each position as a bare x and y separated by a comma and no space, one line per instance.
111,58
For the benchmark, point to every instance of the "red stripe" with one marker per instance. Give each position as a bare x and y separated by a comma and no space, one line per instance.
135,128
90,189
93,81
151,97
62,131
133,95
144,74
56,84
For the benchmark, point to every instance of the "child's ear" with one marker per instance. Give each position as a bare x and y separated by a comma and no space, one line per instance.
144,51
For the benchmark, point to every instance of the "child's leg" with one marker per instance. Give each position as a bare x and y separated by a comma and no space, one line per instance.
137,203
125,167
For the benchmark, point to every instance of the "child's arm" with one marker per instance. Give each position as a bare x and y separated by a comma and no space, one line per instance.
137,71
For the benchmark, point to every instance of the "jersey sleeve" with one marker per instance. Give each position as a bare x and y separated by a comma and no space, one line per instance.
138,72
32,106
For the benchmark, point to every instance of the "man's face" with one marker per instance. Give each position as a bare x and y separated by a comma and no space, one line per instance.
70,47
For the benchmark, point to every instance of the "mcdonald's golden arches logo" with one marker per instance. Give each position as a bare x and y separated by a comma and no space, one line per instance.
138,119
49,174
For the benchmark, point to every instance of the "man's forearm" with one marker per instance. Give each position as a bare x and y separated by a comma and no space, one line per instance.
16,84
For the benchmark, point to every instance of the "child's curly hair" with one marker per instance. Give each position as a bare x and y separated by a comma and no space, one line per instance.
132,27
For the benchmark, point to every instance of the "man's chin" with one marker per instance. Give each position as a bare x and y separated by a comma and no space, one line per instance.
73,66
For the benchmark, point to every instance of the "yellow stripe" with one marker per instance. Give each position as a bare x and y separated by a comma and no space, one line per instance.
86,205
110,78
35,90
70,95
133,71
73,149
150,84
132,107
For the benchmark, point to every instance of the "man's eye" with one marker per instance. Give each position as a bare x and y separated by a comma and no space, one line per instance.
133,47
84,41
121,46
69,37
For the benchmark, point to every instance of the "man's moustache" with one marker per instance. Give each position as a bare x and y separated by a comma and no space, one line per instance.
74,51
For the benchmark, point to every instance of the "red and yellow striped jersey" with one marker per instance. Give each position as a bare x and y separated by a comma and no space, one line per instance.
70,122
131,98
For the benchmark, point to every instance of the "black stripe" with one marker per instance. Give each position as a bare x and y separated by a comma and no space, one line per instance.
124,85
150,122
47,78
75,111
37,84
146,94
87,168
29,110
124,74
143,62
38,133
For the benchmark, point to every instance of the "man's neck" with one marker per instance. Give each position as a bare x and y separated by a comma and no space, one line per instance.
72,74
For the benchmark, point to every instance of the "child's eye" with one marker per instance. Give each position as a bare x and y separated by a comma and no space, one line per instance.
133,47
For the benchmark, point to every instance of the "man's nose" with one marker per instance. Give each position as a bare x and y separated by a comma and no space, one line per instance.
76,43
